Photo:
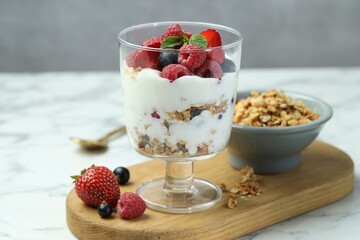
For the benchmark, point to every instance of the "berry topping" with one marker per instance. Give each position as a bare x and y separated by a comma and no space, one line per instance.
217,55
130,206
122,175
210,69
228,66
187,34
131,57
213,37
143,59
214,40
167,58
174,71
173,30
155,115
191,56
97,184
104,210
154,42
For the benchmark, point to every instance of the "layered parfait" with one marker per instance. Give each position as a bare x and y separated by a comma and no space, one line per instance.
179,94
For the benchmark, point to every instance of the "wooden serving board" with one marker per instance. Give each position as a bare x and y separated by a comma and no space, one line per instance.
325,175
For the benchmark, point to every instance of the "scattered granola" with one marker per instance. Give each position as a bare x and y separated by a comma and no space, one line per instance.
247,187
272,108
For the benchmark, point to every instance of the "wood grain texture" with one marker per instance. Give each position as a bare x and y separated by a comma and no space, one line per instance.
326,174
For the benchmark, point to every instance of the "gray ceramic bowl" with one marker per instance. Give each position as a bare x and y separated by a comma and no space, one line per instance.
270,150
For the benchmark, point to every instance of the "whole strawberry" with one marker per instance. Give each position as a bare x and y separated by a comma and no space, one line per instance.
97,184
130,205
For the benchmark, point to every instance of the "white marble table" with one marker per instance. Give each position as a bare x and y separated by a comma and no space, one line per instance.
38,112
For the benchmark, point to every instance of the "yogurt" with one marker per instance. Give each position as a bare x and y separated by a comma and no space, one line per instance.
191,116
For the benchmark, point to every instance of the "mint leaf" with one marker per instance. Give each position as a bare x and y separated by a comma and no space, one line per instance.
171,42
198,40
185,37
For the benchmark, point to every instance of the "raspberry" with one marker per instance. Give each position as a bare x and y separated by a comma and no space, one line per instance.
173,30
217,55
154,42
210,69
130,205
187,34
143,59
191,56
154,114
174,71
130,58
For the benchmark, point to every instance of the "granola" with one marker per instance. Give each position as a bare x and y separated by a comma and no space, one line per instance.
272,108
150,145
247,187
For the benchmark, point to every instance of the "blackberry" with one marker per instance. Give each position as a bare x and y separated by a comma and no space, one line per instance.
228,66
195,112
122,175
167,58
104,210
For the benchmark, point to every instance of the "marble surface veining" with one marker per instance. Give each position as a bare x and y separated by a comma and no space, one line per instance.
38,112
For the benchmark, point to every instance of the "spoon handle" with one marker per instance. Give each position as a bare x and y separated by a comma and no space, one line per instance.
114,134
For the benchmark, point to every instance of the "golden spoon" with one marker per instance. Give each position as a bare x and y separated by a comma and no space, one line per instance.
101,142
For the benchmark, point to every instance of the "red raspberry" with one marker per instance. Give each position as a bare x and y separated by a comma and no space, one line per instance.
210,69
154,114
174,71
217,55
191,56
187,34
154,42
130,205
143,59
173,30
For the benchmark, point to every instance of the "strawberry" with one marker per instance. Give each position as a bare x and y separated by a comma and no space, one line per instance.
214,40
97,184
213,37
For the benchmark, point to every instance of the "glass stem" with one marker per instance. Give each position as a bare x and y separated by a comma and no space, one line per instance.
179,177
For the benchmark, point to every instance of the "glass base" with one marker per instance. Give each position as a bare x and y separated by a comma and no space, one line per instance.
201,196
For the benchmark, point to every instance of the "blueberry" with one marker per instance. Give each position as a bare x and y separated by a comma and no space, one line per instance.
122,175
167,58
195,112
104,210
228,66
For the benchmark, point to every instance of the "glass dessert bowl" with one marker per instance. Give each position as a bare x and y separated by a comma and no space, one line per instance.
179,82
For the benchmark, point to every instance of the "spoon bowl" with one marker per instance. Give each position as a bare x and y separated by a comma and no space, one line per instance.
101,143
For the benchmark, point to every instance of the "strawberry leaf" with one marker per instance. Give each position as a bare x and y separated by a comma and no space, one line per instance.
198,40
74,177
171,42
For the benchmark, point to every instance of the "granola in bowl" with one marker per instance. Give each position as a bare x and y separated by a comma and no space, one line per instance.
272,108
272,128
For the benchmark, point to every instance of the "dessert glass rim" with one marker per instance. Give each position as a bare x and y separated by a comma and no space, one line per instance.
205,24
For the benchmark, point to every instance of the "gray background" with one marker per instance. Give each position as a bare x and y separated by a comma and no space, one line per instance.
67,35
